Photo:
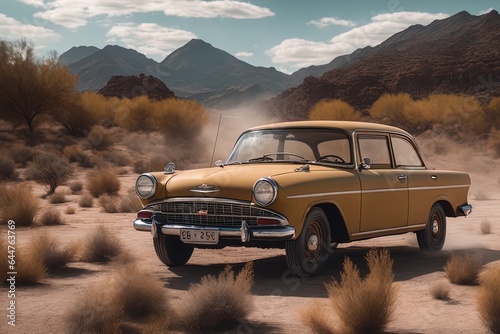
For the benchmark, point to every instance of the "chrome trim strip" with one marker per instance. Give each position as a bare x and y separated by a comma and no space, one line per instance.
375,191
283,232
408,228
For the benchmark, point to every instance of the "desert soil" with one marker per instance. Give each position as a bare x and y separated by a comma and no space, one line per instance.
278,296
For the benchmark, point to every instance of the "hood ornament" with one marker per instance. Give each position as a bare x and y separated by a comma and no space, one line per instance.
205,188
169,168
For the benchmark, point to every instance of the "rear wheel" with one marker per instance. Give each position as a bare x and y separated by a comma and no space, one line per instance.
433,236
306,255
171,250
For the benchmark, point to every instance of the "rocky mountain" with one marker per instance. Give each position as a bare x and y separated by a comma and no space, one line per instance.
458,55
132,86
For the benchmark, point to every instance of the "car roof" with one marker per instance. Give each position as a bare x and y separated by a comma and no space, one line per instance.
348,126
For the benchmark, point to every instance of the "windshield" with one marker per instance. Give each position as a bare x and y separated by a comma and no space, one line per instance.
292,145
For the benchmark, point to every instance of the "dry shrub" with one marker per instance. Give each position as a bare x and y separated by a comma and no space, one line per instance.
482,196
22,154
76,187
492,113
99,138
70,210
49,249
94,312
99,109
129,294
76,154
86,200
130,202
103,181
118,158
51,217
441,290
488,298
154,163
57,198
110,204
463,269
389,108
137,298
337,110
494,141
217,301
18,203
137,114
49,169
317,318
485,227
7,169
29,265
100,245
364,305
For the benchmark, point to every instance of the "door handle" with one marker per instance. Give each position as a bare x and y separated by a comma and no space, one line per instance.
402,177
434,177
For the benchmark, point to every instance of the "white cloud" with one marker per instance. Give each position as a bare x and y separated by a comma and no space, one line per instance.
15,29
244,54
36,3
331,21
299,53
150,39
74,14
486,11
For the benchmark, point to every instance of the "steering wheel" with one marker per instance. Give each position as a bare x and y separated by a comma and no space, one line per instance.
328,156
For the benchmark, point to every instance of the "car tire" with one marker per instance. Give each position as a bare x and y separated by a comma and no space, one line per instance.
306,255
433,236
171,250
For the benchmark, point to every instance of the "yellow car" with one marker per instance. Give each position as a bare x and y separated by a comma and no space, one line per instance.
305,187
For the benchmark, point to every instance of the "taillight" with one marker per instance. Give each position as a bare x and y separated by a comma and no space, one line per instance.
145,214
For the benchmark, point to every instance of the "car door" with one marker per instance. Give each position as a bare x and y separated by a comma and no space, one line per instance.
384,189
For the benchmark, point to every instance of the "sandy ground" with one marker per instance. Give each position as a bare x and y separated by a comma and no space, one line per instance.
279,297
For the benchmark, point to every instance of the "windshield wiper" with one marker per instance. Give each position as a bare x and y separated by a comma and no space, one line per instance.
279,157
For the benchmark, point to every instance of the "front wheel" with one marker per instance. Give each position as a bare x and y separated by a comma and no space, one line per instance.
433,236
306,255
171,250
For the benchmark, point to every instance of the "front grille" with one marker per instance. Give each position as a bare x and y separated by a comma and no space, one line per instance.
209,213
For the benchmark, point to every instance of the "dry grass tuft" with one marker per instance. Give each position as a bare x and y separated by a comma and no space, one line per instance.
7,169
57,198
364,305
94,312
317,318
488,298
100,245
49,169
51,217
217,301
76,187
130,203
138,298
18,203
485,227
29,265
86,200
130,294
110,204
103,181
50,251
70,210
441,290
463,269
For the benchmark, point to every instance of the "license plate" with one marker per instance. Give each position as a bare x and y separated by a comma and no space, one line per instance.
199,236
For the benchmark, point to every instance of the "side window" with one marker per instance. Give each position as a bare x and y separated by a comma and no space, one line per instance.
405,154
375,147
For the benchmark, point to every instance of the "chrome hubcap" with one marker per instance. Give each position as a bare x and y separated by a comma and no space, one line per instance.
312,243
435,227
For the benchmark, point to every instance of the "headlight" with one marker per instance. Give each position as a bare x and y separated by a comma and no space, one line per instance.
265,191
145,186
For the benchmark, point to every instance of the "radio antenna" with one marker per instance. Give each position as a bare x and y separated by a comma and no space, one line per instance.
216,138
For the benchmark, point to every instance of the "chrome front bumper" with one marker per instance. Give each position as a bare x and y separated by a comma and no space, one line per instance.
245,232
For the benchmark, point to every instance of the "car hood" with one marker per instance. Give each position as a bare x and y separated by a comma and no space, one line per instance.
236,181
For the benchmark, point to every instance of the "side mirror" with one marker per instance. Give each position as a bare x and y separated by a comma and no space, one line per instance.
366,164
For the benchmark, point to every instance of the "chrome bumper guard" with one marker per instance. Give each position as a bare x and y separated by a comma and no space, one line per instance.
245,232
464,209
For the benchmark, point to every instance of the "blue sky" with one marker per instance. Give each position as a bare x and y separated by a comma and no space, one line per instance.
286,34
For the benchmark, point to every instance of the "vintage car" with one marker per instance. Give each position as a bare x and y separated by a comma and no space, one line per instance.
305,187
